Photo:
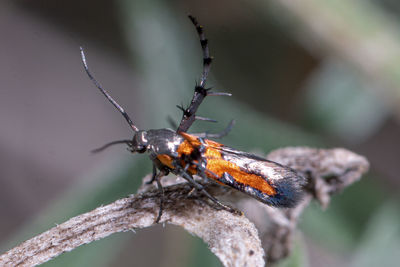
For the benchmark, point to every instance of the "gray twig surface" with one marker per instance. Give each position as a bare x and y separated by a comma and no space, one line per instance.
328,171
232,238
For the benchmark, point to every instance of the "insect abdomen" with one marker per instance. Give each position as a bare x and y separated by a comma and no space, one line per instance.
267,181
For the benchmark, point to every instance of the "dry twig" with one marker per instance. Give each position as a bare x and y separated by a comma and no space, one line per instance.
232,238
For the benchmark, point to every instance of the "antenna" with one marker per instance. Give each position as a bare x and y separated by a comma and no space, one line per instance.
105,93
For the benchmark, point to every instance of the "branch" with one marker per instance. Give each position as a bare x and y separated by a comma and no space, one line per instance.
219,228
231,237
328,171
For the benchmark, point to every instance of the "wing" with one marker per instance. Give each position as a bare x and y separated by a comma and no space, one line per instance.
267,181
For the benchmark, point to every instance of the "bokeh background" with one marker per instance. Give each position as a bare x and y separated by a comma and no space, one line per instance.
302,73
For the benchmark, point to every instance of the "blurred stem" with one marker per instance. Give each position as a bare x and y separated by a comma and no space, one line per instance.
359,32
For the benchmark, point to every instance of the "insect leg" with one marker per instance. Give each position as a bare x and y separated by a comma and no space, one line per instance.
206,54
161,188
202,171
224,133
201,188
153,177
157,177
200,91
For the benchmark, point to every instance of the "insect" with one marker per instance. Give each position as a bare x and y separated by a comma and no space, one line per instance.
186,155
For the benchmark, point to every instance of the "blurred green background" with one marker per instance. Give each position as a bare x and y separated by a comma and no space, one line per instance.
302,73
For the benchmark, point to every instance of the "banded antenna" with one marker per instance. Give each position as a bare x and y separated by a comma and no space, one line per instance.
106,94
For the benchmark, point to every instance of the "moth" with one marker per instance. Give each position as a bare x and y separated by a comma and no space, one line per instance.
186,155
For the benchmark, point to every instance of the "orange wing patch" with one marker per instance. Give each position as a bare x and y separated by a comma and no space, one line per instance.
217,165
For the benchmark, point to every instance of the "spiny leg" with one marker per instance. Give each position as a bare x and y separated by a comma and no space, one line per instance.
204,46
224,133
200,92
195,117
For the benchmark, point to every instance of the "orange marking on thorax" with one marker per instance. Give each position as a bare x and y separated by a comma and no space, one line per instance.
217,165
166,160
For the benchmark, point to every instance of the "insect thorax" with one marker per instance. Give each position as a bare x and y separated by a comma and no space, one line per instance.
162,142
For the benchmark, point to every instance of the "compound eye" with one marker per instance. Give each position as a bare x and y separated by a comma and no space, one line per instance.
141,149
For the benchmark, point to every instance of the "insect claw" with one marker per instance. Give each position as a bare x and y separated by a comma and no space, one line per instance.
204,119
237,212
